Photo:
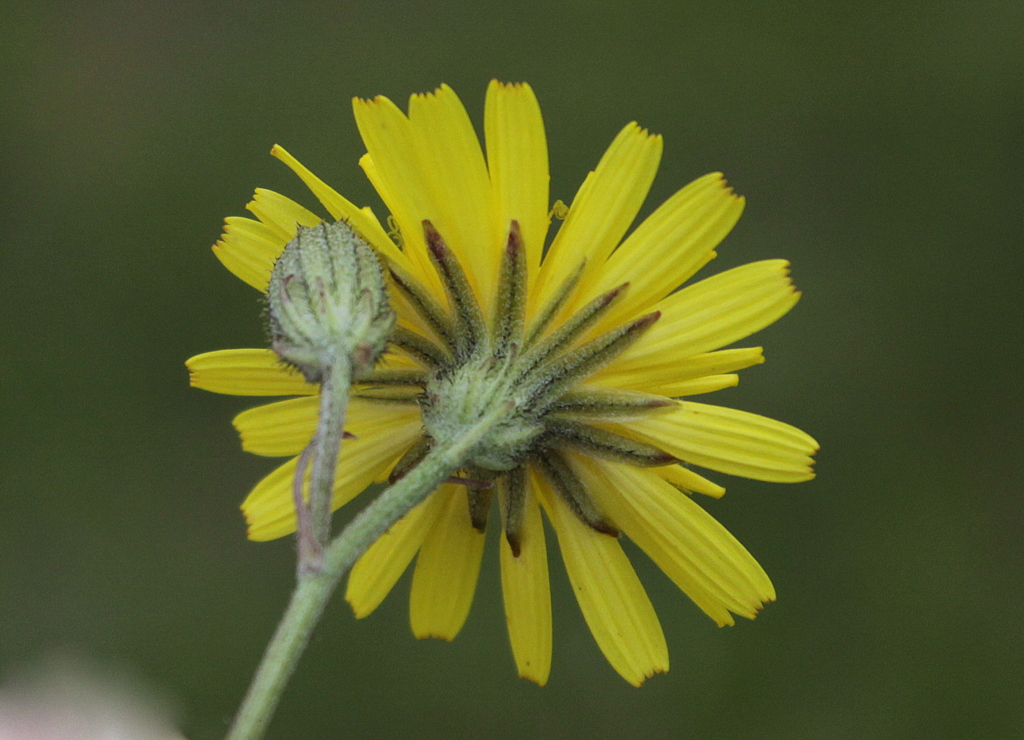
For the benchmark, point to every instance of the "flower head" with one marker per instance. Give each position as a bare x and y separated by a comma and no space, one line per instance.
584,349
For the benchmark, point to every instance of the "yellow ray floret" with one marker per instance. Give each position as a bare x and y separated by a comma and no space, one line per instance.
361,219
269,509
686,480
391,145
517,161
447,567
601,212
248,249
713,313
246,372
669,247
281,214
664,378
707,563
611,597
730,441
455,176
282,428
526,590
380,567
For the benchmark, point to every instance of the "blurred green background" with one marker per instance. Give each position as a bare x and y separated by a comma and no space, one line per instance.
879,146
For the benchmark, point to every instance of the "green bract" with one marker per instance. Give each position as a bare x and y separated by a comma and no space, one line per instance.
528,386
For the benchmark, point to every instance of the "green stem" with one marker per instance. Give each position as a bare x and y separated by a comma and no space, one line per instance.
330,429
315,588
313,514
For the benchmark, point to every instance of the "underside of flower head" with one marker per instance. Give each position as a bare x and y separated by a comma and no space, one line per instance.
527,375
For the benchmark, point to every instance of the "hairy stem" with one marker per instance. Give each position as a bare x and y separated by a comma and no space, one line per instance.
326,446
314,588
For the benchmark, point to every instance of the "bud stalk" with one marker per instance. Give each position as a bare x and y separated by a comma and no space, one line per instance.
329,317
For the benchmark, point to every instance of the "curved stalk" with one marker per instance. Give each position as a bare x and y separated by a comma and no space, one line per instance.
315,588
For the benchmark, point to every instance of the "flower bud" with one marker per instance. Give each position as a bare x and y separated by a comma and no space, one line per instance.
327,302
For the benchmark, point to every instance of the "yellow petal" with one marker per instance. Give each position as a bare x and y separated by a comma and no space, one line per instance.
373,175
602,211
613,601
376,572
730,441
667,248
246,372
361,219
269,509
697,386
394,168
517,158
456,177
446,569
249,249
694,550
396,361
527,595
286,427
281,214
715,312
688,481
662,375
278,429
380,440
413,265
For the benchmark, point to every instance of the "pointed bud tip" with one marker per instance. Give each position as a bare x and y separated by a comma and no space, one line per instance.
605,528
435,242
514,245
644,321
514,543
614,293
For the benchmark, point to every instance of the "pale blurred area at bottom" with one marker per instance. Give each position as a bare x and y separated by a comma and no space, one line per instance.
69,698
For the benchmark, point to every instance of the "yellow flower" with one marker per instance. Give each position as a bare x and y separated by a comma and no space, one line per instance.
589,339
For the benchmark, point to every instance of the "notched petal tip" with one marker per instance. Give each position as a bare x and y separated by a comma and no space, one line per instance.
496,83
433,636
653,672
635,127
375,100
254,532
443,89
721,181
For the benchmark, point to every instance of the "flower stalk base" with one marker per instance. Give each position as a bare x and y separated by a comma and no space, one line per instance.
313,514
315,587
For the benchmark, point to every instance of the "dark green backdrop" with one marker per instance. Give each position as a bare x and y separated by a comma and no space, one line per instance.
879,146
